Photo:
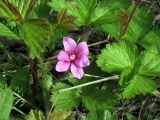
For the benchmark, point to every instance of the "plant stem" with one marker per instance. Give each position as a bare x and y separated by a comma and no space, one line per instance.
86,34
97,43
34,71
18,110
95,76
18,96
140,112
82,85
130,18
89,83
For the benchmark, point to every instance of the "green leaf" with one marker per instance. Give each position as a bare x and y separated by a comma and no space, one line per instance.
58,5
65,20
82,9
8,10
101,60
90,11
150,63
40,10
58,35
36,34
117,56
6,32
67,100
23,6
112,29
140,23
152,38
138,26
99,115
107,11
98,99
35,115
85,11
6,100
125,75
138,85
61,115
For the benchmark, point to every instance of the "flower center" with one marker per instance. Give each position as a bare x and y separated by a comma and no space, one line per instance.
72,57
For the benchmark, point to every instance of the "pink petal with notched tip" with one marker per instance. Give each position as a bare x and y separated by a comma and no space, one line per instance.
82,49
69,45
62,66
63,56
77,71
82,61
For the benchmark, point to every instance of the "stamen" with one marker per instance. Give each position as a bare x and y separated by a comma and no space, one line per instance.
72,57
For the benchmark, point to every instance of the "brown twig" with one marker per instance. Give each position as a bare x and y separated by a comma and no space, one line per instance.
34,71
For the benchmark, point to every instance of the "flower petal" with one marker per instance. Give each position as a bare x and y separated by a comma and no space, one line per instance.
63,56
62,66
82,61
77,71
69,45
82,49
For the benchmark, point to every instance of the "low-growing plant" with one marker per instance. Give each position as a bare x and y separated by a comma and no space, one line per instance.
78,59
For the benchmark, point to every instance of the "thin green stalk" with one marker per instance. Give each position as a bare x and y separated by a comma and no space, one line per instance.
95,76
82,85
45,88
18,110
97,43
89,83
18,96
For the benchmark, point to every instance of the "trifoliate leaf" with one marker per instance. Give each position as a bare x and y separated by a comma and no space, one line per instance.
6,100
150,63
90,11
36,35
67,100
117,56
152,38
82,9
138,85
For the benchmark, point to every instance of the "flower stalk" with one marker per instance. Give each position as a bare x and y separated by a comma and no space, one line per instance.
90,83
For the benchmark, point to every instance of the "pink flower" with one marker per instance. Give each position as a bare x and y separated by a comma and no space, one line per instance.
74,57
